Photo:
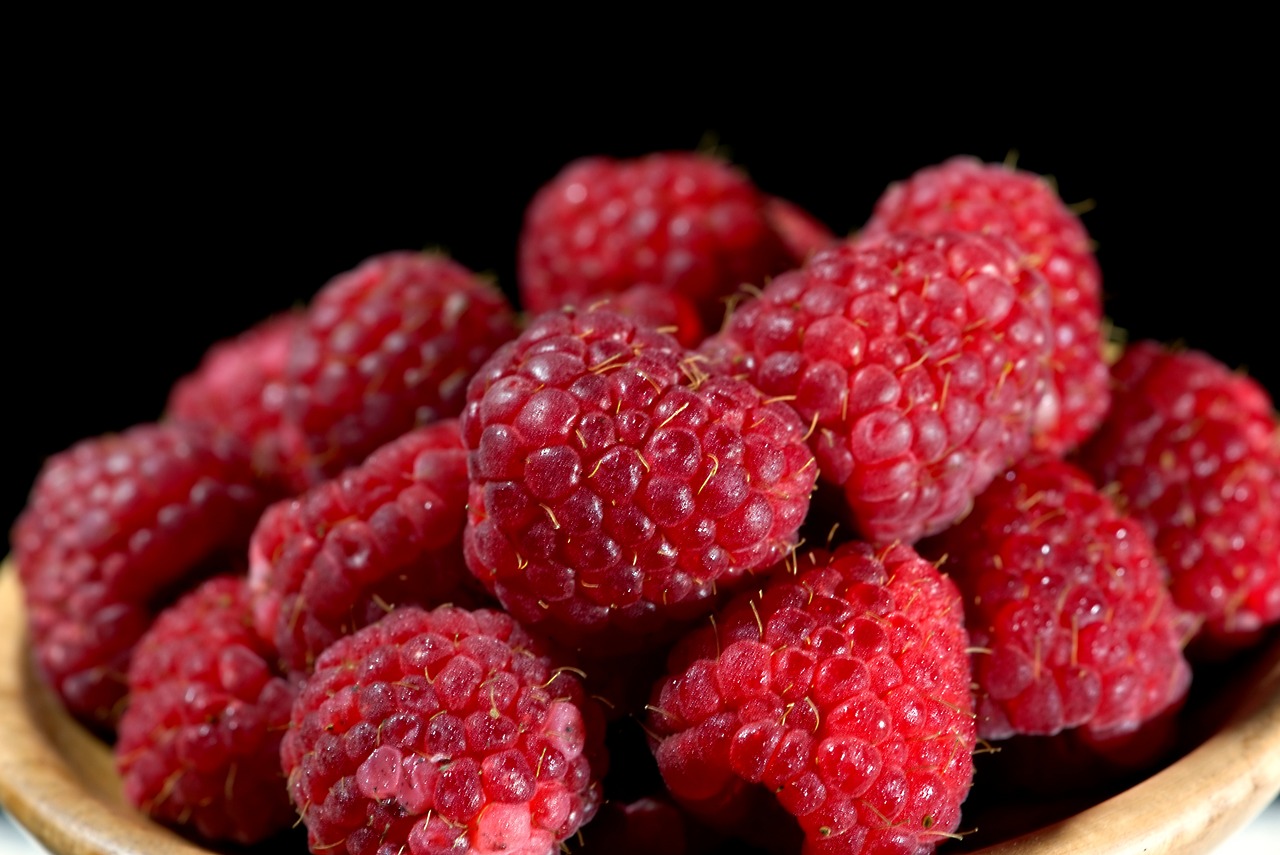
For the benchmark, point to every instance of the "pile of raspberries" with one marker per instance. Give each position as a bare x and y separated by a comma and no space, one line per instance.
814,518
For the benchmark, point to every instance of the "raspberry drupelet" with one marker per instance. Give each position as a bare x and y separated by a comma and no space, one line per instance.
443,731
1066,607
614,485
681,221
199,743
385,533
113,527
917,361
841,689
965,194
1192,450
386,347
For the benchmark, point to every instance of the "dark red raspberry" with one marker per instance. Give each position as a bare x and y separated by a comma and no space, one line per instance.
801,232
387,346
917,363
965,194
842,689
1193,451
1066,606
113,525
385,533
682,221
239,387
442,731
614,486
199,744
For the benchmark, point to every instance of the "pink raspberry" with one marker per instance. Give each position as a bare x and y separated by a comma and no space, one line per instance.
681,221
841,689
917,362
964,194
386,347
1066,604
442,731
382,534
199,744
615,487
114,525
1193,452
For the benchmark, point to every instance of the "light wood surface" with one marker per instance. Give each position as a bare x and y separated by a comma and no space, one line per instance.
59,781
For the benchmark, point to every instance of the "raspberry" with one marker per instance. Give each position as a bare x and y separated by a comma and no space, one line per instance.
238,387
964,194
917,362
842,689
1193,451
614,486
199,743
681,221
113,525
442,731
1066,604
384,533
386,347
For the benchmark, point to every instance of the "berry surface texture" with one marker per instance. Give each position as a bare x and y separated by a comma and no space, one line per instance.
616,487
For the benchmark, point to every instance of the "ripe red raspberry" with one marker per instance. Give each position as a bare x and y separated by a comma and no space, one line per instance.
385,533
387,346
965,194
842,689
199,744
238,387
682,221
1066,604
1193,451
917,362
614,486
442,731
113,526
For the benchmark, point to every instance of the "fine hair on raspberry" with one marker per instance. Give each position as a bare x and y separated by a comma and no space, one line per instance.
917,361
443,731
1067,607
841,690
615,486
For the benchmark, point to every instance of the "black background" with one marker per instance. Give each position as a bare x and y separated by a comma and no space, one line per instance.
157,215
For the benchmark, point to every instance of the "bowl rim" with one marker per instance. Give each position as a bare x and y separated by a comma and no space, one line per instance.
1189,807
41,788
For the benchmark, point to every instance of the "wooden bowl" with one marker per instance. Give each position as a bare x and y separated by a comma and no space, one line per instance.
59,781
